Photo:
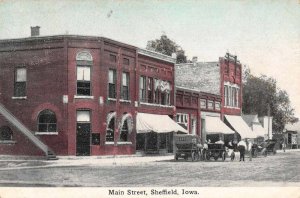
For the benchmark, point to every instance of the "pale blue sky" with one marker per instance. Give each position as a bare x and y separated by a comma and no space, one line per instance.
265,35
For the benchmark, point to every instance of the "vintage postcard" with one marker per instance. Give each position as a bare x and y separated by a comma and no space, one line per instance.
126,98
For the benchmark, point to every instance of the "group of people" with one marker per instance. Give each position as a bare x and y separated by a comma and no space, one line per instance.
242,146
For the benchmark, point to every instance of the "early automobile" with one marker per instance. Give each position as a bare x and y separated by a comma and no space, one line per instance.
187,146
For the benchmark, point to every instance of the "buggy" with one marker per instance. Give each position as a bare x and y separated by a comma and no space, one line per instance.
187,146
264,148
216,151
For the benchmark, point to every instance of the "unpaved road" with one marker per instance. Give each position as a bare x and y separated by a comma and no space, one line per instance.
282,169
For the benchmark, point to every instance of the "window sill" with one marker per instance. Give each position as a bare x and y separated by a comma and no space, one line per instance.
157,105
7,142
111,99
19,98
109,143
83,97
124,143
229,107
125,101
46,133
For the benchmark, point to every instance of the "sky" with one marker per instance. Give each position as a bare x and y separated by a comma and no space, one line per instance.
265,35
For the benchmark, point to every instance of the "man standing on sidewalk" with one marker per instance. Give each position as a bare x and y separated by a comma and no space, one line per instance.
250,149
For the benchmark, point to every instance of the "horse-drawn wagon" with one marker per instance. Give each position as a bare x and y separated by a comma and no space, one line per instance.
187,146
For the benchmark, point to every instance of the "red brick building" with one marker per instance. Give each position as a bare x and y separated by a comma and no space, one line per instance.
219,85
79,95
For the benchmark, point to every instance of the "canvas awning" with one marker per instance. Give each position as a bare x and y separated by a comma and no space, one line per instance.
146,122
240,126
214,125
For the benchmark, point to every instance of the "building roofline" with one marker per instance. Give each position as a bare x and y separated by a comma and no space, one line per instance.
187,89
156,55
65,36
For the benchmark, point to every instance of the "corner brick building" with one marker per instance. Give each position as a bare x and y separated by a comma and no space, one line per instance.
80,95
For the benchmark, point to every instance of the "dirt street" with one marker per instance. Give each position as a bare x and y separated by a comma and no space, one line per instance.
281,169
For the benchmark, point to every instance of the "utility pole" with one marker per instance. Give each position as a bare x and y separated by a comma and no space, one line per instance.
269,136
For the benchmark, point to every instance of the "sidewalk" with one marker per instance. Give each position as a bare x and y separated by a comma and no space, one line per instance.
13,162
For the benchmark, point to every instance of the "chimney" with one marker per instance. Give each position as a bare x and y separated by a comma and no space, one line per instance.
195,59
35,31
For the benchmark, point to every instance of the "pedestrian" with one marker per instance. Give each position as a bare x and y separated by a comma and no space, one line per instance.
242,148
250,150
283,146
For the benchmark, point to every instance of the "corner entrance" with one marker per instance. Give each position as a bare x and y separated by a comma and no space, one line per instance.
83,133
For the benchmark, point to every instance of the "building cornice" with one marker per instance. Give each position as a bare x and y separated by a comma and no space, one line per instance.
156,55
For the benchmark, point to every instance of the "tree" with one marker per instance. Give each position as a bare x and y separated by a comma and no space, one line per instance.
261,92
166,46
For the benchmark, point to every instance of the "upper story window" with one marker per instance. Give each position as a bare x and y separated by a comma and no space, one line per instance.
112,78
154,91
20,82
47,121
6,133
142,88
203,103
210,104
84,62
125,86
217,106
150,90
231,95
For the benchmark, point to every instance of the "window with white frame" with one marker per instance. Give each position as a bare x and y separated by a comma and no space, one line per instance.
110,128
125,86
183,120
142,88
210,104
47,121
20,82
203,103
217,106
112,78
231,95
84,62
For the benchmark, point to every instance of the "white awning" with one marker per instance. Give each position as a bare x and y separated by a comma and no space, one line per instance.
157,123
259,130
240,126
214,125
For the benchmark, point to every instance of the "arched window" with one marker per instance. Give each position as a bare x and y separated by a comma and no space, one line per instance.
110,129
126,127
84,61
5,133
47,121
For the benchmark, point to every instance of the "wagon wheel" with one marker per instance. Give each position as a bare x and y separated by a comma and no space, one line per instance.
194,156
255,153
223,156
265,153
207,156
198,155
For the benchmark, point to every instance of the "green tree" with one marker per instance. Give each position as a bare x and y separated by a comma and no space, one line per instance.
261,92
166,46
